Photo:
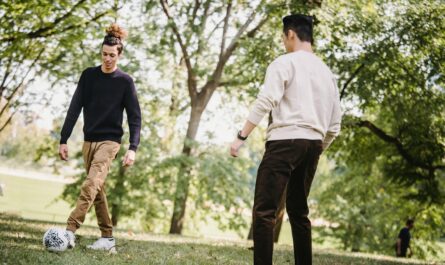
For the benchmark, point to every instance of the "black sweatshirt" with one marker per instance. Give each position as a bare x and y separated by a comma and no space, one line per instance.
103,98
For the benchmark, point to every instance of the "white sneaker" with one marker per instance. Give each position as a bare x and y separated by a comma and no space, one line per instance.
71,238
104,243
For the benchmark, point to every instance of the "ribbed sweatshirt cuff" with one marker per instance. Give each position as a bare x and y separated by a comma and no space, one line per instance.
133,148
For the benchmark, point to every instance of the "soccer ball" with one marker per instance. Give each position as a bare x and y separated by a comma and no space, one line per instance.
55,239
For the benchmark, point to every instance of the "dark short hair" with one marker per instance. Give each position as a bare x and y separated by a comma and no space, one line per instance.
410,221
115,35
302,25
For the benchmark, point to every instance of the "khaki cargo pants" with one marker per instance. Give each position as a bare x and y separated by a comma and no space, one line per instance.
97,157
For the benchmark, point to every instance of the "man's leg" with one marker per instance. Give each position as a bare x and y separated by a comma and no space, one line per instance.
273,175
103,217
296,203
77,217
100,202
98,159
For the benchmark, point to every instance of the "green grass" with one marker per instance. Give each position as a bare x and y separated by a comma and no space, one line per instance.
21,243
20,239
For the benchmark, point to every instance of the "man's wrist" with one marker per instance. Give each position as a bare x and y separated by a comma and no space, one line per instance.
241,137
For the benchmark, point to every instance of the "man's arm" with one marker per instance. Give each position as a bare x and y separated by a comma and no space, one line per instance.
71,118
268,98
133,111
271,94
335,123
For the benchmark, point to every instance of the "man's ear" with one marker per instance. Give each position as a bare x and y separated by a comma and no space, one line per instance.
286,33
292,34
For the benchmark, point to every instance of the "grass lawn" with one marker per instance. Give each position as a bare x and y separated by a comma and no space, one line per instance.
34,199
20,239
21,243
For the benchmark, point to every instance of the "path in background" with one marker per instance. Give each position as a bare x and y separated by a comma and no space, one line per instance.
6,171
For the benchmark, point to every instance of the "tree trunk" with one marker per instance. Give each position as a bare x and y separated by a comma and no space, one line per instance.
119,191
183,182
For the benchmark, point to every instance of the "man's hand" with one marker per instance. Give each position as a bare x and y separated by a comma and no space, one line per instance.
63,152
129,158
236,145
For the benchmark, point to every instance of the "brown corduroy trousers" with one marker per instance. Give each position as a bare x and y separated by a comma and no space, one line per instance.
97,157
290,163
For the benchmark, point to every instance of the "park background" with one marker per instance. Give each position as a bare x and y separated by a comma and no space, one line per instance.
198,65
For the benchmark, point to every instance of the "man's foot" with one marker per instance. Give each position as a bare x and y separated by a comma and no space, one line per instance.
71,238
104,243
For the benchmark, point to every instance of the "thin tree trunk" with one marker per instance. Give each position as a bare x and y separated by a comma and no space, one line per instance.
183,182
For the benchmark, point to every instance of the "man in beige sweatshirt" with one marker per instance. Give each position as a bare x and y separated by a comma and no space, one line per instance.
301,95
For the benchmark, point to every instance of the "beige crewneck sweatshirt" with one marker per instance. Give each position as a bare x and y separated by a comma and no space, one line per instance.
301,92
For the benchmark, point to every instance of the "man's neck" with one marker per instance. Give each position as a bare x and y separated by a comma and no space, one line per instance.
107,71
302,46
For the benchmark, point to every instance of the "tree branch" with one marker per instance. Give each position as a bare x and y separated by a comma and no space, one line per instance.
226,25
354,74
202,27
191,80
396,142
20,85
241,31
8,121
93,19
5,76
45,31
253,31
217,25
195,10
212,84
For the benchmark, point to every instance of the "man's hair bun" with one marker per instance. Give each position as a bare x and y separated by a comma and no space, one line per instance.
116,31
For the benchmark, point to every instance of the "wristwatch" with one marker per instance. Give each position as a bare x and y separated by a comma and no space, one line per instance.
239,136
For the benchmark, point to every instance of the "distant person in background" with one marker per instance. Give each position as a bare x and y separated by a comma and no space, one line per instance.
103,92
403,240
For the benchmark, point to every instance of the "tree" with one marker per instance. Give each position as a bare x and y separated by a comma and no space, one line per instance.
204,63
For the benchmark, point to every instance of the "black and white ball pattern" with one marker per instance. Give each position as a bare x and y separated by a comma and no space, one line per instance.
55,239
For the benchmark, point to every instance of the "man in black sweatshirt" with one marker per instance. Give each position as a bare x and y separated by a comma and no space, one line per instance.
103,92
